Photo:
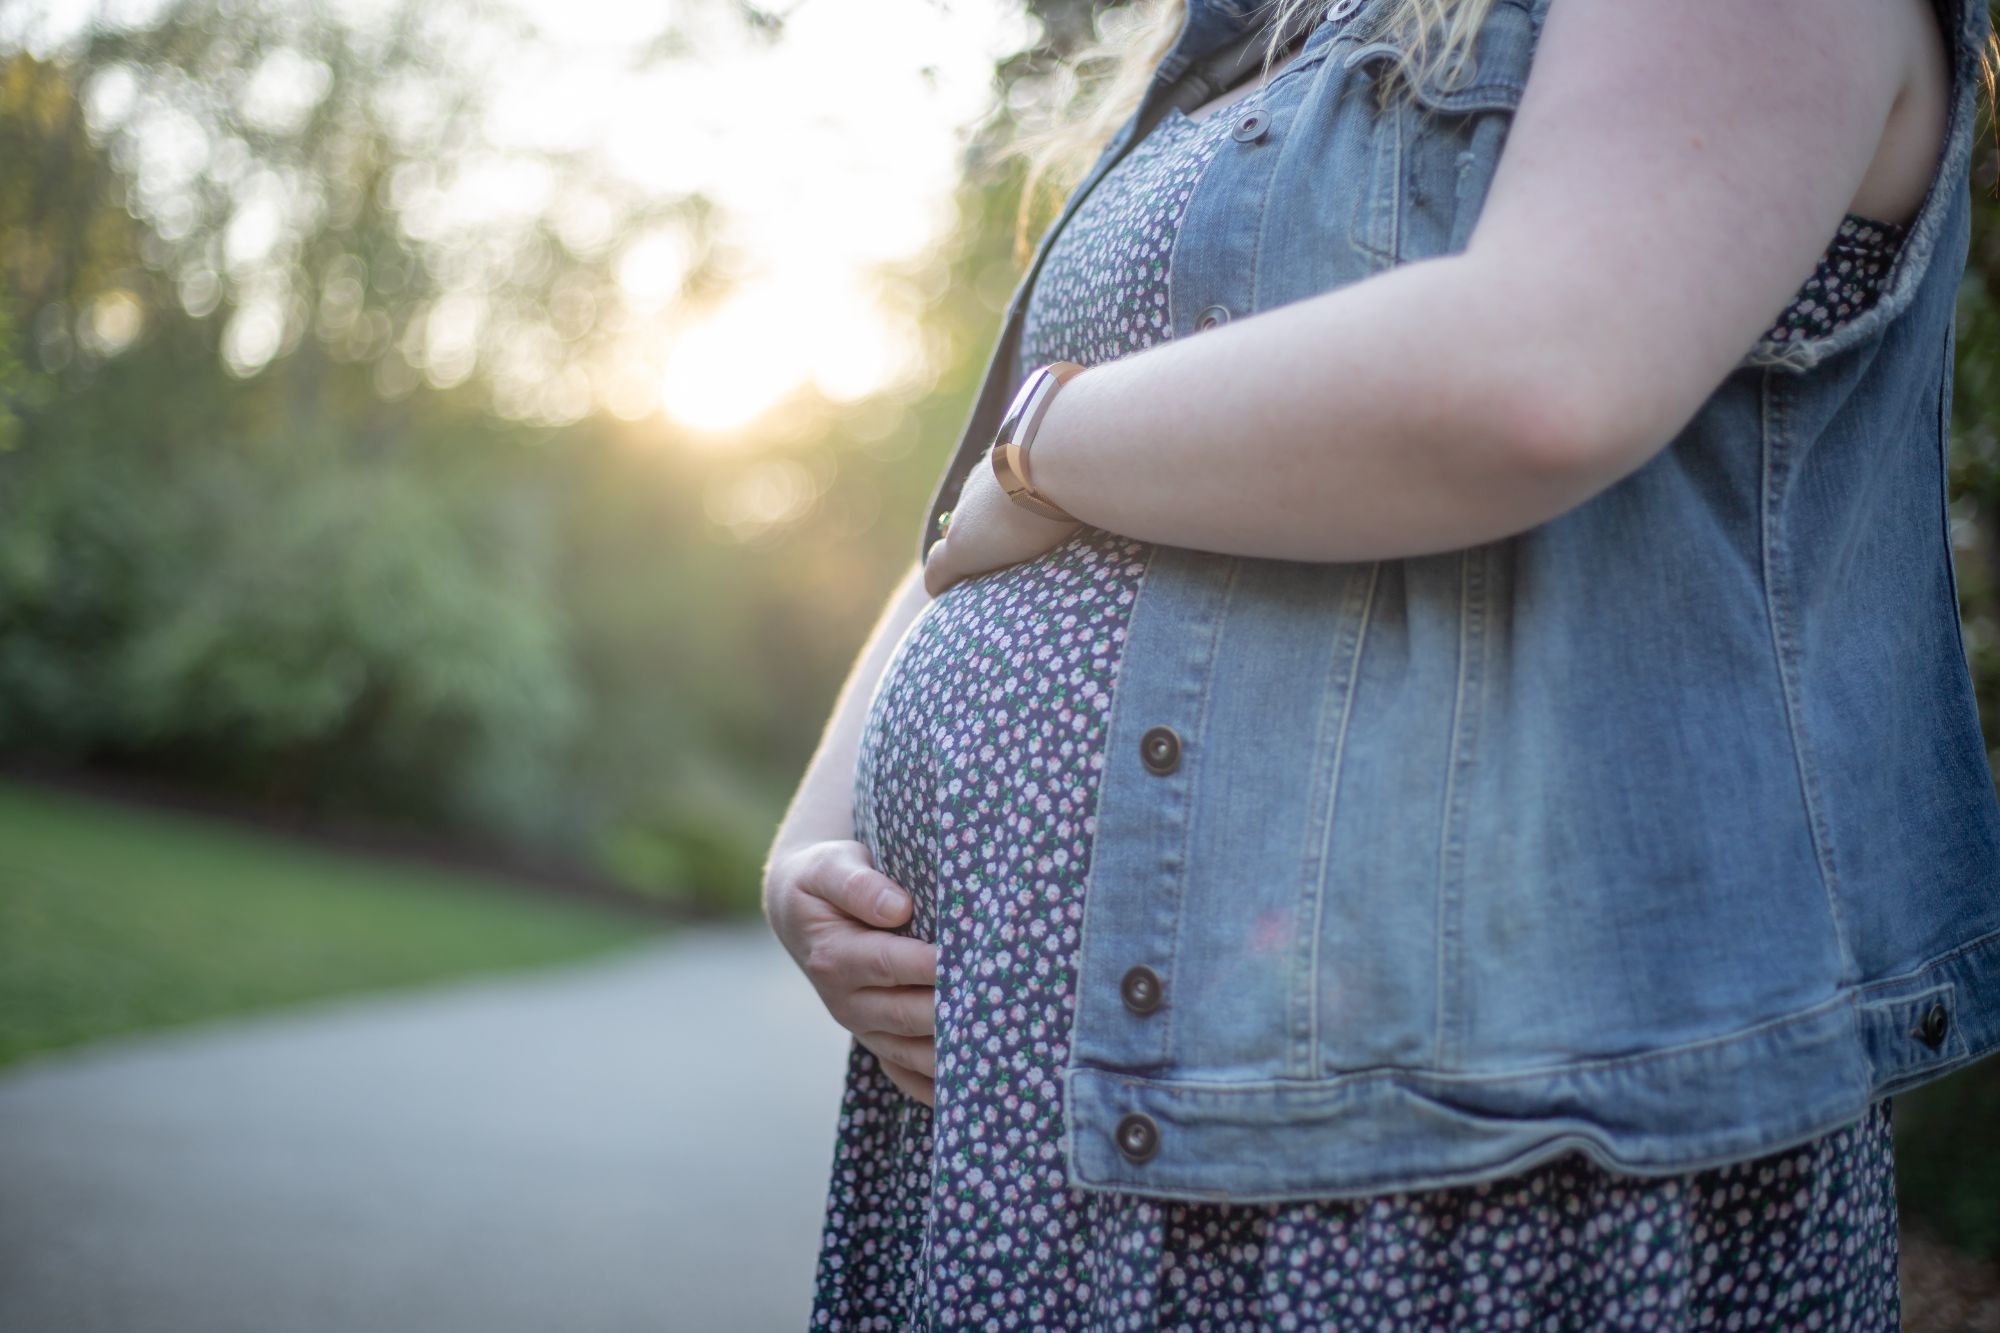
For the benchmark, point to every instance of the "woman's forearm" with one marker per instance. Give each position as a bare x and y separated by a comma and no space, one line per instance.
823,805
1405,414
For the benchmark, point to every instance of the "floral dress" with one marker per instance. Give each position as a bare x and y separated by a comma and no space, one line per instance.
975,788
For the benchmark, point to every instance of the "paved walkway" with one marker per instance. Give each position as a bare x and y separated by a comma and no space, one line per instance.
634,1144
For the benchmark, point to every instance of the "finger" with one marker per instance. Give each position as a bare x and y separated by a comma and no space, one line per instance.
862,956
907,1011
846,958
847,878
887,1056
884,958
913,1084
936,578
851,961
913,1053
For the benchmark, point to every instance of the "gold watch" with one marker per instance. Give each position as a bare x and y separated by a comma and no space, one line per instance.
1017,435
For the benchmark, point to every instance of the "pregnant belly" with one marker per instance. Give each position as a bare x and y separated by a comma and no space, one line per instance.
976,778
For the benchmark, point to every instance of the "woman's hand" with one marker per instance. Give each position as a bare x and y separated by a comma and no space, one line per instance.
833,911
988,531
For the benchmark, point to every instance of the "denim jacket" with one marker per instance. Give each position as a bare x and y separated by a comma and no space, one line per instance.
1662,831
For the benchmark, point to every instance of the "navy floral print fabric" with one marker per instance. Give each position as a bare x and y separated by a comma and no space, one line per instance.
975,788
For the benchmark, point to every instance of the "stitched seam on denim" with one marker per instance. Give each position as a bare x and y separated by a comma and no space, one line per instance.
1450,869
1911,1000
1275,153
1354,656
1197,728
1302,1025
1989,940
1479,643
1377,207
1777,575
1461,212
1479,95
1944,480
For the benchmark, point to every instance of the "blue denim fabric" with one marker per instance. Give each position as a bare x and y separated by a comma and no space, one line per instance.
1662,831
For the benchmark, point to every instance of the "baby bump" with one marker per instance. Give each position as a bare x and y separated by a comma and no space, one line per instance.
976,776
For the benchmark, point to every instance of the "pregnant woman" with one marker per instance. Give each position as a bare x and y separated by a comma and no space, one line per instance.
1427,777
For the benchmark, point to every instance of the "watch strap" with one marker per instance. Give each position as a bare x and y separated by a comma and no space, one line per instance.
1016,437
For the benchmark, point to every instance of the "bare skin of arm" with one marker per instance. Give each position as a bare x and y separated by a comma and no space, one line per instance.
831,907
1665,189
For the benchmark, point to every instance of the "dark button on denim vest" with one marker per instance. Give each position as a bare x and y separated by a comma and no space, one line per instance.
1160,750
1141,989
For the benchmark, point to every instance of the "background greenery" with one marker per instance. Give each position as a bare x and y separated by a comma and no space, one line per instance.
117,920
332,580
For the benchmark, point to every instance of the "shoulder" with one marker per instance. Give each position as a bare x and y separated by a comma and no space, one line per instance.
1673,174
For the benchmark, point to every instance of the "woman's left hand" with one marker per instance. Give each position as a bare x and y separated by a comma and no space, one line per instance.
987,531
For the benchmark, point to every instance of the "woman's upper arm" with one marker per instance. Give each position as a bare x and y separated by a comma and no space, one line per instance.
1672,175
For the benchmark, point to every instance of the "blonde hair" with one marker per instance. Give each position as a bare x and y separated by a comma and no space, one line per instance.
1099,86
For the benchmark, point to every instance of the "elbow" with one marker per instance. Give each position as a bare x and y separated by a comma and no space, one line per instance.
1574,438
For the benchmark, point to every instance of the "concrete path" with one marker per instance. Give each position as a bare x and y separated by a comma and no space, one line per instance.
634,1144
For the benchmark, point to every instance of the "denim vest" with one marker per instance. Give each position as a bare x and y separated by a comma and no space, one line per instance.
1662,831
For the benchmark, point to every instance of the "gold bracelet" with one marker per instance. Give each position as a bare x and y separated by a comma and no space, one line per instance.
1016,437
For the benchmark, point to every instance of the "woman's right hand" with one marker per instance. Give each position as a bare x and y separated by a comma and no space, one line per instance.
833,911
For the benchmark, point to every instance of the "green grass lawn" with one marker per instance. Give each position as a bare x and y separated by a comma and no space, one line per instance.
114,919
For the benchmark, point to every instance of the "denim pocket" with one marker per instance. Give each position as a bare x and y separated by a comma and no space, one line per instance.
1435,150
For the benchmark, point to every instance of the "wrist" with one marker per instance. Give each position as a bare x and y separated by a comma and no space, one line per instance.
1013,452
793,837
816,818
1055,457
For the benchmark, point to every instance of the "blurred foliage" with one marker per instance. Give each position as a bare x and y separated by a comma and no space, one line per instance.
1948,1157
1975,444
302,496
341,566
